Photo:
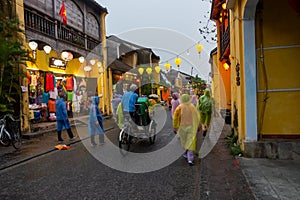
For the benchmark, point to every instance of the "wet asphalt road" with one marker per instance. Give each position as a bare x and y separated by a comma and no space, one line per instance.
76,174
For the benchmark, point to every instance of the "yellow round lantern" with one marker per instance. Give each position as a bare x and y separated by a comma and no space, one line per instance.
167,66
177,61
157,69
226,65
149,70
199,48
141,70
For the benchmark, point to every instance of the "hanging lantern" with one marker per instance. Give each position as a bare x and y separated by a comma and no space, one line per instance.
141,70
149,70
199,48
92,62
81,59
157,69
177,61
226,65
167,66
66,56
47,49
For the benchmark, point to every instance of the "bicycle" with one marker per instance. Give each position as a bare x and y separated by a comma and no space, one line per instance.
6,138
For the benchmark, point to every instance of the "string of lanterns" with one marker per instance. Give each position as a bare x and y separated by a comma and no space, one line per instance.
177,59
167,64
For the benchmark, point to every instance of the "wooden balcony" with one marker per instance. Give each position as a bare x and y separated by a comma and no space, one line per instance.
56,30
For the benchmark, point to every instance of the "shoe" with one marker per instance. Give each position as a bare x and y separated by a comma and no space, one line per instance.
204,133
60,141
93,144
191,163
73,138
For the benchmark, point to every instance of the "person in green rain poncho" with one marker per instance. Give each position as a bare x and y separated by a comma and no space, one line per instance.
205,108
185,123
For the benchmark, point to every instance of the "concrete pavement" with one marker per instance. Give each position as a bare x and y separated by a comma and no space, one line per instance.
222,176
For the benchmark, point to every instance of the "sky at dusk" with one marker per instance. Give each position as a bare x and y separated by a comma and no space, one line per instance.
168,27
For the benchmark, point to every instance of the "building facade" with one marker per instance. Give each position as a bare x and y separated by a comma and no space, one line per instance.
67,56
264,46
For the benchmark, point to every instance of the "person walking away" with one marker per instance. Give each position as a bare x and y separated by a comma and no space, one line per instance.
95,123
174,102
185,123
205,105
62,120
194,99
128,102
115,102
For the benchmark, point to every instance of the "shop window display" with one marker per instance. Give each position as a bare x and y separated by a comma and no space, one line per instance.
43,88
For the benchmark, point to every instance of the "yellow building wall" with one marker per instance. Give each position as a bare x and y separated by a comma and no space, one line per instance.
237,57
225,86
216,86
281,43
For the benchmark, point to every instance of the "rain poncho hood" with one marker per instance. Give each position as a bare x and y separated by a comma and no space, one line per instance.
175,95
186,120
174,102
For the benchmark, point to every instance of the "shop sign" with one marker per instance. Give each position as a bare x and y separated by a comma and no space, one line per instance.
57,63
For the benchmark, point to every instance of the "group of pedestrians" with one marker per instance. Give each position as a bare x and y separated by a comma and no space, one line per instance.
189,118
95,122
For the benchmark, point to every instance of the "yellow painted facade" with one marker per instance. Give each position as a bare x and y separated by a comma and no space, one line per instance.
277,44
73,67
278,52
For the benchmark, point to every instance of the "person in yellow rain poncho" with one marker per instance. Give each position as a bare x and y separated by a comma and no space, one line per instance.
185,122
120,117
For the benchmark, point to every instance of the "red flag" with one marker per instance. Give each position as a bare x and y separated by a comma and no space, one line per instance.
63,13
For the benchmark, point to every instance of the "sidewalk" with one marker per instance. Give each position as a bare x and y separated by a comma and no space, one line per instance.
41,142
226,177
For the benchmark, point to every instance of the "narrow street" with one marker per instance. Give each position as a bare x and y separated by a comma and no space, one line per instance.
76,174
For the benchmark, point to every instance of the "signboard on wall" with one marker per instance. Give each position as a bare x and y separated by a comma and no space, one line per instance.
57,63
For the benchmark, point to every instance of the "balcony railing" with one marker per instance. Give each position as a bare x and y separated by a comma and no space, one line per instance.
71,36
39,23
54,29
225,40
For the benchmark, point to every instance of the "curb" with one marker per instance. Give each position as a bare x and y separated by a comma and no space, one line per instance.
45,152
37,134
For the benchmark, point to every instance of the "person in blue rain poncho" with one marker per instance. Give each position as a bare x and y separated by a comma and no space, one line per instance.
95,123
62,120
186,122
